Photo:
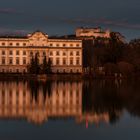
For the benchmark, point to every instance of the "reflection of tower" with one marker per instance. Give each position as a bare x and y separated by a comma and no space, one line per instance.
16,101
93,118
86,122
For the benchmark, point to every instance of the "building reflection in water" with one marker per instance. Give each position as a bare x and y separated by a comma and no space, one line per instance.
86,102
32,100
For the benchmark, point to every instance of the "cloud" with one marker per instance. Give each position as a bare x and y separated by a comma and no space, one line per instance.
89,21
8,31
9,11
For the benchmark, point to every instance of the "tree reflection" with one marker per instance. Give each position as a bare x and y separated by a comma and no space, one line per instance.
100,97
40,86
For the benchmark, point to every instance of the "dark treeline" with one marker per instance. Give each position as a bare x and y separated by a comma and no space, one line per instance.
110,56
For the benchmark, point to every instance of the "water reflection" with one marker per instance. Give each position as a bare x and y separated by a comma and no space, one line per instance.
37,101
87,102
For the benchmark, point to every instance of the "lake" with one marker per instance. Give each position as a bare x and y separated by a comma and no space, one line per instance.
57,110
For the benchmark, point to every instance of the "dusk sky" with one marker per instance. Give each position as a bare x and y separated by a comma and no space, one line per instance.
58,17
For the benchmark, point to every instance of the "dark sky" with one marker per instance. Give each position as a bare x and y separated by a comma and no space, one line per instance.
57,17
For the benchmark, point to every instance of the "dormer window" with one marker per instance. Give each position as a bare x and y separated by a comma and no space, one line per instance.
17,44
24,44
3,44
11,44
71,45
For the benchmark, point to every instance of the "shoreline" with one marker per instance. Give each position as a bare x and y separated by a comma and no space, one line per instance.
68,77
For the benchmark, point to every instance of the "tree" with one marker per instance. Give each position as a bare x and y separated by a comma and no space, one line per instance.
125,68
44,66
34,66
37,65
49,64
110,68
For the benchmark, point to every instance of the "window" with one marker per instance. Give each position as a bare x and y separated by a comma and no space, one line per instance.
64,45
3,52
64,61
3,44
44,53
77,53
24,61
64,53
51,59
57,61
17,61
77,45
3,61
57,45
71,53
71,45
51,53
11,44
24,44
31,53
77,61
10,61
71,61
10,52
24,52
17,52
51,45
17,44
57,53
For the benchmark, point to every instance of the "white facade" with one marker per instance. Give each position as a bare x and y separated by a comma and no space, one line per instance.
16,53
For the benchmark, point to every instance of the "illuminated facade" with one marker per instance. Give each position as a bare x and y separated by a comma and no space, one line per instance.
92,32
16,53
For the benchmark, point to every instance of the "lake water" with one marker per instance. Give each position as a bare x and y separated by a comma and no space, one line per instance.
76,110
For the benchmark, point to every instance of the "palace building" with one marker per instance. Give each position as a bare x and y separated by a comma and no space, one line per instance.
16,53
